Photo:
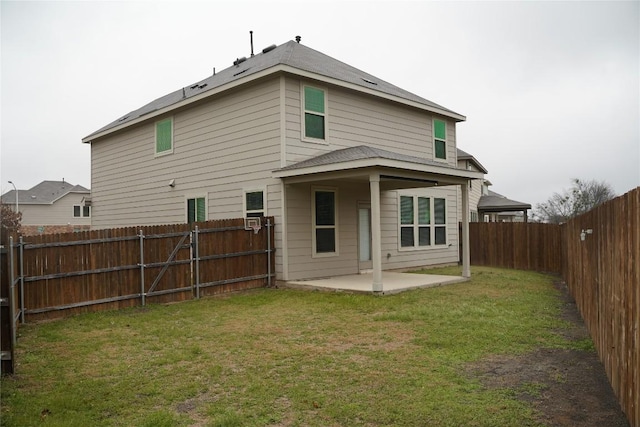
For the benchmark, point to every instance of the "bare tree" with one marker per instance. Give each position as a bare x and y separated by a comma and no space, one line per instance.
580,198
10,221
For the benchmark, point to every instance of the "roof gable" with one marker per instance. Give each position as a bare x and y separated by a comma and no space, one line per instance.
47,192
289,57
463,155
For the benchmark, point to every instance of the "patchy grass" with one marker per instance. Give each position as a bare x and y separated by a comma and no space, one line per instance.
288,358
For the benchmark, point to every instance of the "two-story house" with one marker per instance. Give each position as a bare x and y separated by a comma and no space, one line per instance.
358,173
52,207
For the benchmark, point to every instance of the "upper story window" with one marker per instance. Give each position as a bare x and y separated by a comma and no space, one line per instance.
423,221
440,139
254,203
164,136
196,209
314,124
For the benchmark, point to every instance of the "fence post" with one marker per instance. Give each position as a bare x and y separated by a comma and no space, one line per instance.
142,267
196,248
269,251
12,292
21,280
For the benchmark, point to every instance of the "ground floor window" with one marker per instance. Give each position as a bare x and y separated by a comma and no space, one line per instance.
254,203
196,210
324,222
422,221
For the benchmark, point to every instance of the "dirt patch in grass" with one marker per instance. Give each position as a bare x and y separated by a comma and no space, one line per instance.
566,387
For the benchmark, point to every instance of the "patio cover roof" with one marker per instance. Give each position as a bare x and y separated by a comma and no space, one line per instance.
406,171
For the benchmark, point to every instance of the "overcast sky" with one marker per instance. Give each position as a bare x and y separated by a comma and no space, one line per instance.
551,90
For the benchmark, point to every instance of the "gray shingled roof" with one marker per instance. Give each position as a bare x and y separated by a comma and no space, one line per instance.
44,193
463,155
494,202
358,153
291,54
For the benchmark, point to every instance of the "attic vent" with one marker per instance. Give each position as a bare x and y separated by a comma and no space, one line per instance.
369,81
202,85
268,48
239,60
194,86
240,72
123,119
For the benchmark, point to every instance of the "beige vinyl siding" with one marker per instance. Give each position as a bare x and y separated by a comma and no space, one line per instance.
356,119
399,259
220,147
58,213
302,264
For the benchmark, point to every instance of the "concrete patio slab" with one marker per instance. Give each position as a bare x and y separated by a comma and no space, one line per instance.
392,282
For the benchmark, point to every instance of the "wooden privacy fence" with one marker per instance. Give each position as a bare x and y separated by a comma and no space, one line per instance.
60,275
602,270
524,246
598,256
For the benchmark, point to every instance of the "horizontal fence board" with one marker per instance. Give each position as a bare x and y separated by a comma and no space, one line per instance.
72,273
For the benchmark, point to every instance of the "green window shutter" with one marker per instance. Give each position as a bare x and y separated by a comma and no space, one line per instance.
164,135
406,210
439,131
424,210
313,99
200,209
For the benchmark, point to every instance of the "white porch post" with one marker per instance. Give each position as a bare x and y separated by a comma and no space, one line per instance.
466,257
376,245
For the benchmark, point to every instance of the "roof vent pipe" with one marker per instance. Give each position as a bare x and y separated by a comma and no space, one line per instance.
268,48
251,36
239,60
298,38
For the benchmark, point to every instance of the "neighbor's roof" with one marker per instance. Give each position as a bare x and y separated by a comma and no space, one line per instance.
44,193
463,155
289,57
495,202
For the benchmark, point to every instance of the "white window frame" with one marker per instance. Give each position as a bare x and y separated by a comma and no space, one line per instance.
263,190
314,227
155,137
434,139
82,215
416,226
303,135
188,197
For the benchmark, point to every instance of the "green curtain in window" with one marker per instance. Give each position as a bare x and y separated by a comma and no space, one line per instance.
163,136
313,126
313,99
200,209
439,129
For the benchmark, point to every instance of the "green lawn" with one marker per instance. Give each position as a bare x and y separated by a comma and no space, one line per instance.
288,358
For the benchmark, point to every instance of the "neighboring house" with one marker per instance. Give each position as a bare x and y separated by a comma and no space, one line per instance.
494,207
468,162
52,207
486,205
358,173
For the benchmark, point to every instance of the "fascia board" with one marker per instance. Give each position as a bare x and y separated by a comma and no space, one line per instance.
385,163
